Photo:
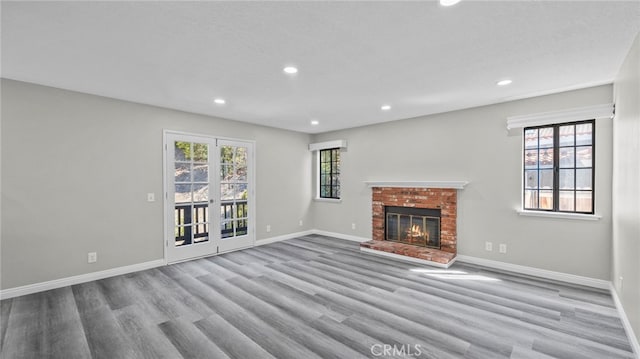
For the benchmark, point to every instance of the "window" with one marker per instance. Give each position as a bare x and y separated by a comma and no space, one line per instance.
329,173
559,167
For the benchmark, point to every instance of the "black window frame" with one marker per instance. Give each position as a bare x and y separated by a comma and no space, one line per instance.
557,167
330,189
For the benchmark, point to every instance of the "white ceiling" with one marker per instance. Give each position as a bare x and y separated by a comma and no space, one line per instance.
419,57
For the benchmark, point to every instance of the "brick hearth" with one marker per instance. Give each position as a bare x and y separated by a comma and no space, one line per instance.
444,199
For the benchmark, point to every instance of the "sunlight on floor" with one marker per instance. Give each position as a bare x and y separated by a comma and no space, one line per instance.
453,274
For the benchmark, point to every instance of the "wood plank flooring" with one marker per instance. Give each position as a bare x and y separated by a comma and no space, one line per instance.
313,297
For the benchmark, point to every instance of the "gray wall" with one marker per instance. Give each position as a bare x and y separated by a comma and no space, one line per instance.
76,169
626,182
473,145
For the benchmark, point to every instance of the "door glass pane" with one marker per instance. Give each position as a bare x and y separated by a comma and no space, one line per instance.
200,213
200,173
182,193
241,227
200,152
240,159
240,173
241,210
201,233
201,193
226,210
226,229
182,172
566,200
183,236
226,191
226,172
240,191
567,179
182,151
226,155
182,215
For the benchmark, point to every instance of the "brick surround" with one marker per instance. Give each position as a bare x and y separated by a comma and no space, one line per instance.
444,199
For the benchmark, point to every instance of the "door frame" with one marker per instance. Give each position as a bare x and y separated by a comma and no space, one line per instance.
251,176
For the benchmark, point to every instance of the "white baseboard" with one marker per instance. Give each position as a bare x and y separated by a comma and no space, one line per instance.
633,340
284,237
348,237
82,278
536,272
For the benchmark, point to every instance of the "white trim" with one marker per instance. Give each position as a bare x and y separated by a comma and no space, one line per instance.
327,145
204,135
536,272
575,114
407,258
82,278
418,184
165,195
347,237
562,215
284,237
633,340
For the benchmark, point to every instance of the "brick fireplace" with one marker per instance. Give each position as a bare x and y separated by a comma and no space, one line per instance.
385,240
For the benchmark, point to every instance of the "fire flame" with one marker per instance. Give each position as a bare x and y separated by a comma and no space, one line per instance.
416,232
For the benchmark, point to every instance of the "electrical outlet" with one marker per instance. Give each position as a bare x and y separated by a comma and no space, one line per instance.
300,223
151,197
502,248
488,246
353,226
92,257
268,228
620,280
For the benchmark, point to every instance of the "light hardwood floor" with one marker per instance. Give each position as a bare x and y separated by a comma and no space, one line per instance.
313,297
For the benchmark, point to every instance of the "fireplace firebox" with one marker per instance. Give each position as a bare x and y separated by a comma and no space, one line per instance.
415,226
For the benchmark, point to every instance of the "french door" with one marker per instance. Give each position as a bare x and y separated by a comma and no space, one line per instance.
209,196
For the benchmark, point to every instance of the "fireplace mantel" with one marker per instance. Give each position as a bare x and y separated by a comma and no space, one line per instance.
418,184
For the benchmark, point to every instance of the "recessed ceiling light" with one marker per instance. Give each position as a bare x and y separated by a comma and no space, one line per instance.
315,122
448,2
385,107
290,70
220,101
504,82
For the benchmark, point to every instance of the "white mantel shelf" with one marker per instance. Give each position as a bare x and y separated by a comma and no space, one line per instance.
418,184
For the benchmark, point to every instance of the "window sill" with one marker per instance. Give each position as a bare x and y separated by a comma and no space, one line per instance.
329,200
580,216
